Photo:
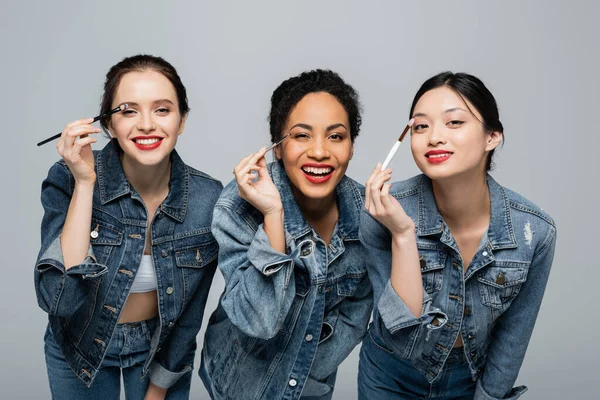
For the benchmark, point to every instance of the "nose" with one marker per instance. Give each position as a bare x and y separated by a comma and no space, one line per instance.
318,149
146,122
437,135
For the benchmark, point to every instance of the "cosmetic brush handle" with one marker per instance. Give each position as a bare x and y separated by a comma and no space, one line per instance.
390,155
51,138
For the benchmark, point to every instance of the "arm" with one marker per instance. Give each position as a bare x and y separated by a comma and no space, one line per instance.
259,283
388,234
176,357
397,317
513,330
60,291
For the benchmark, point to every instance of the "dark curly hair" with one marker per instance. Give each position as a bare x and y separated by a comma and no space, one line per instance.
140,63
292,90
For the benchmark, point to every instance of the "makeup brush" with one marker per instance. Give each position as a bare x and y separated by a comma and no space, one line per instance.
122,107
277,143
394,149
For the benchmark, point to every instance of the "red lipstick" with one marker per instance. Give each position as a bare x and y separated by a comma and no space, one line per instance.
437,156
150,146
314,177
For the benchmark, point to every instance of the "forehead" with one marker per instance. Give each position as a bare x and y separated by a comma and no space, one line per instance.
318,106
440,99
145,85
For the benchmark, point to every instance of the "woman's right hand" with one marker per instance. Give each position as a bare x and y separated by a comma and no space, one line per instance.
383,206
257,189
77,152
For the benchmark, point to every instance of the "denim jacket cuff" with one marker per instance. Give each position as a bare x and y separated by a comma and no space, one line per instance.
53,258
396,315
164,378
481,394
264,257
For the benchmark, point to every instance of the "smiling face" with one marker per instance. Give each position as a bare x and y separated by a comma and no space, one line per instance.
147,131
319,149
447,139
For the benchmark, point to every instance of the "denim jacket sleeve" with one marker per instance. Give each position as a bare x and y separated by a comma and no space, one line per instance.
395,314
60,292
513,330
176,356
259,281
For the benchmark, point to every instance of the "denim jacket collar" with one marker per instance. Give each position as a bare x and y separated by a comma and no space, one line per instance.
500,231
113,183
349,202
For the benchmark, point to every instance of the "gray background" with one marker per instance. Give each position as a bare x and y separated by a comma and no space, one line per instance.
539,58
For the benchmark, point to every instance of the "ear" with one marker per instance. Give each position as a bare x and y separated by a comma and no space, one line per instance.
277,151
111,130
494,138
182,124
351,152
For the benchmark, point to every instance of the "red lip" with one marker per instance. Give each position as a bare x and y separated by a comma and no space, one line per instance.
437,160
317,179
148,146
435,152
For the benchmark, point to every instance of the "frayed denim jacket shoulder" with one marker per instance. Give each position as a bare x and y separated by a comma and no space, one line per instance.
84,303
285,319
493,304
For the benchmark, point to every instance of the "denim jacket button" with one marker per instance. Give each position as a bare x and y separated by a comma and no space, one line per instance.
467,311
164,253
309,337
485,253
170,290
469,337
293,382
94,234
500,279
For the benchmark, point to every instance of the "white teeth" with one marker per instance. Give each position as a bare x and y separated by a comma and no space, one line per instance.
438,155
317,171
146,141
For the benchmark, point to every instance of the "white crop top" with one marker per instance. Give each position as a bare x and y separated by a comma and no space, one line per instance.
145,279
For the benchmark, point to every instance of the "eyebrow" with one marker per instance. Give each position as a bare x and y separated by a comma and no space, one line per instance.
310,128
445,112
133,103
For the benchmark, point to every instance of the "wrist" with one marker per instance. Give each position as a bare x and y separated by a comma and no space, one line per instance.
87,183
404,238
275,214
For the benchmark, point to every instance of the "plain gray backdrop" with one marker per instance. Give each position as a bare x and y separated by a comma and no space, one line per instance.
539,58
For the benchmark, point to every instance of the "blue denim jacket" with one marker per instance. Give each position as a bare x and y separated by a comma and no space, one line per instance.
285,319
493,304
85,302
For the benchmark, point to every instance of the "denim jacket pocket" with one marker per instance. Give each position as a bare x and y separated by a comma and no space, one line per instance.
498,286
349,283
432,269
192,259
197,255
103,238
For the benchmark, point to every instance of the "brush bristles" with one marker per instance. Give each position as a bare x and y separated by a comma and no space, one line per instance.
405,131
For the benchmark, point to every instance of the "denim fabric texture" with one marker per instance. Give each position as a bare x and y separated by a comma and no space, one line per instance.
285,322
84,302
492,304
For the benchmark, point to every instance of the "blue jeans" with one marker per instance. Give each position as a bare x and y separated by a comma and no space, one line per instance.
311,392
383,376
126,353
